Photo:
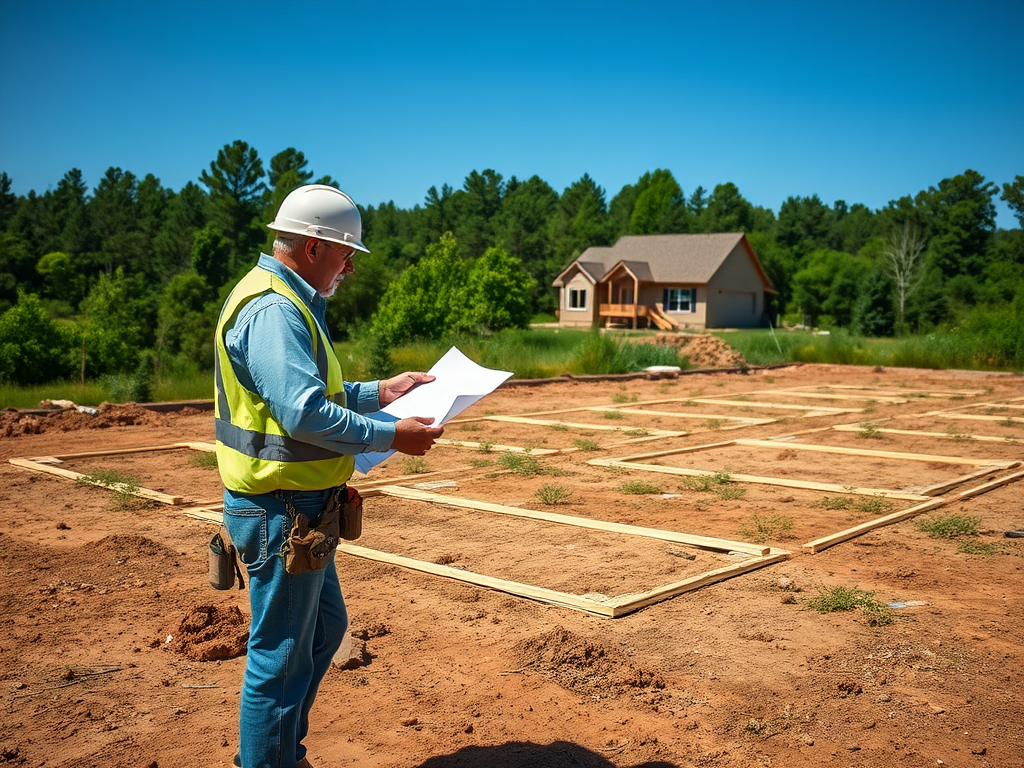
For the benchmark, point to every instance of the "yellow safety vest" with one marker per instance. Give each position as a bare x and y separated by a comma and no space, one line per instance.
254,453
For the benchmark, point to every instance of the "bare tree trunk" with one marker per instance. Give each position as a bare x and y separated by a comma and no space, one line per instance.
902,251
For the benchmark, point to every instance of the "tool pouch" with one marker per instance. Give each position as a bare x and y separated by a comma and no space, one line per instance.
310,546
224,568
351,513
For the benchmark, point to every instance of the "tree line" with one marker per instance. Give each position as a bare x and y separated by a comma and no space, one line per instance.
91,278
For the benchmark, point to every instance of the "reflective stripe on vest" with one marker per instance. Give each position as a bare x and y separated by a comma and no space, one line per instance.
254,453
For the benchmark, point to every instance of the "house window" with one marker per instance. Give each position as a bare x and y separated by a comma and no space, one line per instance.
577,298
680,299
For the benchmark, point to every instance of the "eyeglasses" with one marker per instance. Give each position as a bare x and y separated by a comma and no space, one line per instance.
348,254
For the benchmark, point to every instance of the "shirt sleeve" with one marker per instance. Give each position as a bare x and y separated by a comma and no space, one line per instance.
270,348
363,396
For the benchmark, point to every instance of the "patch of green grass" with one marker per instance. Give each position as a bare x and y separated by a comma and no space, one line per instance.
975,547
479,463
640,432
522,464
553,494
836,502
730,492
869,430
877,504
714,423
877,613
471,427
204,459
415,465
760,529
613,415
620,398
639,487
707,483
756,727
586,445
486,446
952,526
956,435
123,485
559,428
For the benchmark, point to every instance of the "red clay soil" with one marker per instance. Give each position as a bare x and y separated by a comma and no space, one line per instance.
118,653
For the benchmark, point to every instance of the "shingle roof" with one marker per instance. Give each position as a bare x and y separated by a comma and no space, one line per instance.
669,258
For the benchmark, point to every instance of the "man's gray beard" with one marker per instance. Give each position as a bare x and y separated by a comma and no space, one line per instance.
330,292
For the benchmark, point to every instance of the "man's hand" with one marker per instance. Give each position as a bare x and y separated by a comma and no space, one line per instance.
393,388
414,436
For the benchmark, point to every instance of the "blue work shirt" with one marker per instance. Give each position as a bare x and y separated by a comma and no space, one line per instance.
270,348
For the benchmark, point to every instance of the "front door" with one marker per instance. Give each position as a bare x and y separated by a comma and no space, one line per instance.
625,295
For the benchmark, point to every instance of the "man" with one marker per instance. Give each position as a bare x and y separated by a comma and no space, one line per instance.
287,429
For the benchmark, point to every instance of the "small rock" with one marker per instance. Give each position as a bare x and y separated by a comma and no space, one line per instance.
979,750
854,747
785,583
936,710
468,728
806,739
62,526
789,599
409,722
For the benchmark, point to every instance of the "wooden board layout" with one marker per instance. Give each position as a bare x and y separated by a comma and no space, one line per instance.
835,538
611,607
973,416
497,448
812,410
908,393
605,427
987,467
739,421
943,435
46,464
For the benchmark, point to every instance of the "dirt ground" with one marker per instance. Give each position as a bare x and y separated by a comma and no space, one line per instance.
116,652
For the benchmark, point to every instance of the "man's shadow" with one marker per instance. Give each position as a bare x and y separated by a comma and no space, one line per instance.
524,754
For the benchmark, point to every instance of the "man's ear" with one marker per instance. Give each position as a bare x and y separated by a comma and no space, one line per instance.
310,249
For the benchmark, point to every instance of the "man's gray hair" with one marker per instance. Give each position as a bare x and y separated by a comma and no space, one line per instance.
285,244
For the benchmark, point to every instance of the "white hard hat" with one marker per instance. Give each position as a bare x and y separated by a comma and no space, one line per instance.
323,212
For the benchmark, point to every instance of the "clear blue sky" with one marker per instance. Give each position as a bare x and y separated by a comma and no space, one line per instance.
864,102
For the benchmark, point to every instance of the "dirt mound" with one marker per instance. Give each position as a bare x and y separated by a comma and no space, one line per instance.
13,423
127,546
703,350
209,633
584,666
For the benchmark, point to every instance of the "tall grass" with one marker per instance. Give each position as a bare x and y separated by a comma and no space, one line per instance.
189,386
961,349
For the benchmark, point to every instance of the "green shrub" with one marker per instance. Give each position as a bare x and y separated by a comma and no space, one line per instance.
33,349
553,494
586,445
639,487
851,598
522,464
952,526
760,529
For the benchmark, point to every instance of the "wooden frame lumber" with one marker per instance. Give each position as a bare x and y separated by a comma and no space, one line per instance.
612,607
705,542
997,463
835,538
759,480
605,427
986,467
951,414
912,393
943,435
143,493
498,448
815,410
744,421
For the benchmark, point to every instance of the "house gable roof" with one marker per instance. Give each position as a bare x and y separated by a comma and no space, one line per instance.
668,258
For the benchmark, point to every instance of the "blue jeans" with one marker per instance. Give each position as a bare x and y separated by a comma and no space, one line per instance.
297,626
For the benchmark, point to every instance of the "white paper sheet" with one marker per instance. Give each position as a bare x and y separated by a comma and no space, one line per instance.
459,383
